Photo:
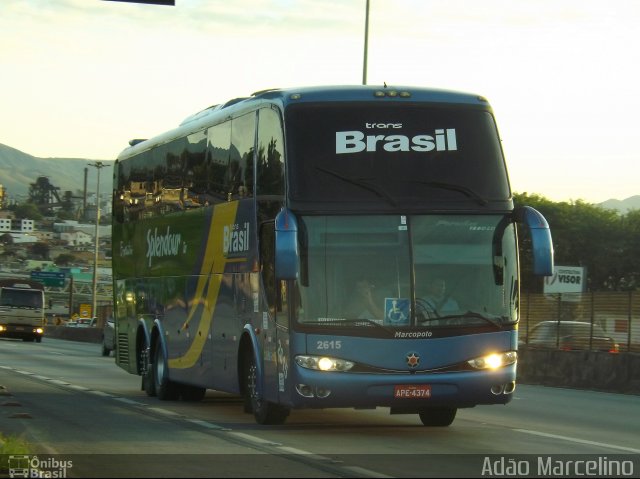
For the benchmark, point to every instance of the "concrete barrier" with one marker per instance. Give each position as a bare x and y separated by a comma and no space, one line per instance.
595,370
87,335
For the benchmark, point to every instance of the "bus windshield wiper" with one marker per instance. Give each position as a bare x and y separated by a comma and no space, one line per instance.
469,193
363,183
468,314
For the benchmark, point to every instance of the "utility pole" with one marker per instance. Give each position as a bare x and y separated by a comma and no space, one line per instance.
94,311
366,46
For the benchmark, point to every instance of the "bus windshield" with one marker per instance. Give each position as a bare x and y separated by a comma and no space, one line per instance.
445,272
382,155
21,298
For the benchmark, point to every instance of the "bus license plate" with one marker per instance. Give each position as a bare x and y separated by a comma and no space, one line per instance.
422,391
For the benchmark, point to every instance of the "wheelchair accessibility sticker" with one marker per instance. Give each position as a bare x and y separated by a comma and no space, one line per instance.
396,311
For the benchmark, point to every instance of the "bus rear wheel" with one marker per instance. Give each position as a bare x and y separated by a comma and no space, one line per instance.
438,416
166,390
264,411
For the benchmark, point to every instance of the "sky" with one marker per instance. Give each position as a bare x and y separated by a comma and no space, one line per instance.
80,78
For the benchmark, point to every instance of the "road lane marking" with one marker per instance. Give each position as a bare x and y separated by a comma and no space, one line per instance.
293,450
165,412
254,439
579,441
78,388
208,425
59,382
100,393
321,462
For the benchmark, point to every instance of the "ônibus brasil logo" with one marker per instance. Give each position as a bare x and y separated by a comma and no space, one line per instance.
167,244
32,466
349,142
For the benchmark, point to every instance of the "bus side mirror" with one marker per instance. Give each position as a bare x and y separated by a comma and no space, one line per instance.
287,253
541,242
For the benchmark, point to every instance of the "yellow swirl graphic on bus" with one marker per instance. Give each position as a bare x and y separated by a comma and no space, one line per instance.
208,286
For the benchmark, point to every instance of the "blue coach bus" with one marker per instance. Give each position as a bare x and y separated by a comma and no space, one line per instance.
286,246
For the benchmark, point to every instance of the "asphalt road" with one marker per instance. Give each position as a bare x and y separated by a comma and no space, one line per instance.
73,404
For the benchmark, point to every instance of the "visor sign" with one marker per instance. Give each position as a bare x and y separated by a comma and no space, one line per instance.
566,279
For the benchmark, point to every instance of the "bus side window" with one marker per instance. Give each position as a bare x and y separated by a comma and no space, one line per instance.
267,262
240,171
218,152
276,291
282,300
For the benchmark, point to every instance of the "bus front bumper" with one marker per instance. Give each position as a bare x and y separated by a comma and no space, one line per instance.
20,331
317,389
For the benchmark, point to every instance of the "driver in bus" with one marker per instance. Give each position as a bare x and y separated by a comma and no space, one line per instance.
362,303
437,299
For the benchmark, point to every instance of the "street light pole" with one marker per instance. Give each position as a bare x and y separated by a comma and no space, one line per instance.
366,46
97,165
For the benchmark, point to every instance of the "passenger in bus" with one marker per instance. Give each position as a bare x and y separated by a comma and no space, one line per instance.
362,301
437,300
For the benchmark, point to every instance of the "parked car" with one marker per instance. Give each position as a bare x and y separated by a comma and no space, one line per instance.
82,323
570,336
108,337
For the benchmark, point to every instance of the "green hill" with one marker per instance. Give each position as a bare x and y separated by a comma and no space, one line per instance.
18,170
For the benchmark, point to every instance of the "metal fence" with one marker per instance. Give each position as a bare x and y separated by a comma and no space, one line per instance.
617,313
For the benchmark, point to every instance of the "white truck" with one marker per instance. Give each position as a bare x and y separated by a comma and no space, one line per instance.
22,309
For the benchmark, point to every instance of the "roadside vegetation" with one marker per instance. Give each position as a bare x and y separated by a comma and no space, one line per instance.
602,240
11,446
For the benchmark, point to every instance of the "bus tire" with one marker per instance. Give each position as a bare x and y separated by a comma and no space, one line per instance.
38,339
166,390
264,411
438,416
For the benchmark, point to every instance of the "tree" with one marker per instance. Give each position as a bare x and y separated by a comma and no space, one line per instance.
40,249
62,215
631,249
6,239
27,210
44,195
586,235
65,259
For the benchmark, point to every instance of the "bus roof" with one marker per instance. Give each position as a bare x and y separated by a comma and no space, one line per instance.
19,283
287,96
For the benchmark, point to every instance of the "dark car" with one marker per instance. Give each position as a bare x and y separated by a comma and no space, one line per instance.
108,337
570,336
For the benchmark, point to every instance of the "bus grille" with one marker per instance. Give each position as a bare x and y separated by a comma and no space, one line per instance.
123,349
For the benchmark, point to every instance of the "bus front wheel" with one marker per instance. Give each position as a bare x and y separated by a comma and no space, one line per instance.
438,416
264,411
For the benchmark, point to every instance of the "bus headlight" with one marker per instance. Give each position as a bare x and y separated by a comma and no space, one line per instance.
494,361
2,328
324,363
